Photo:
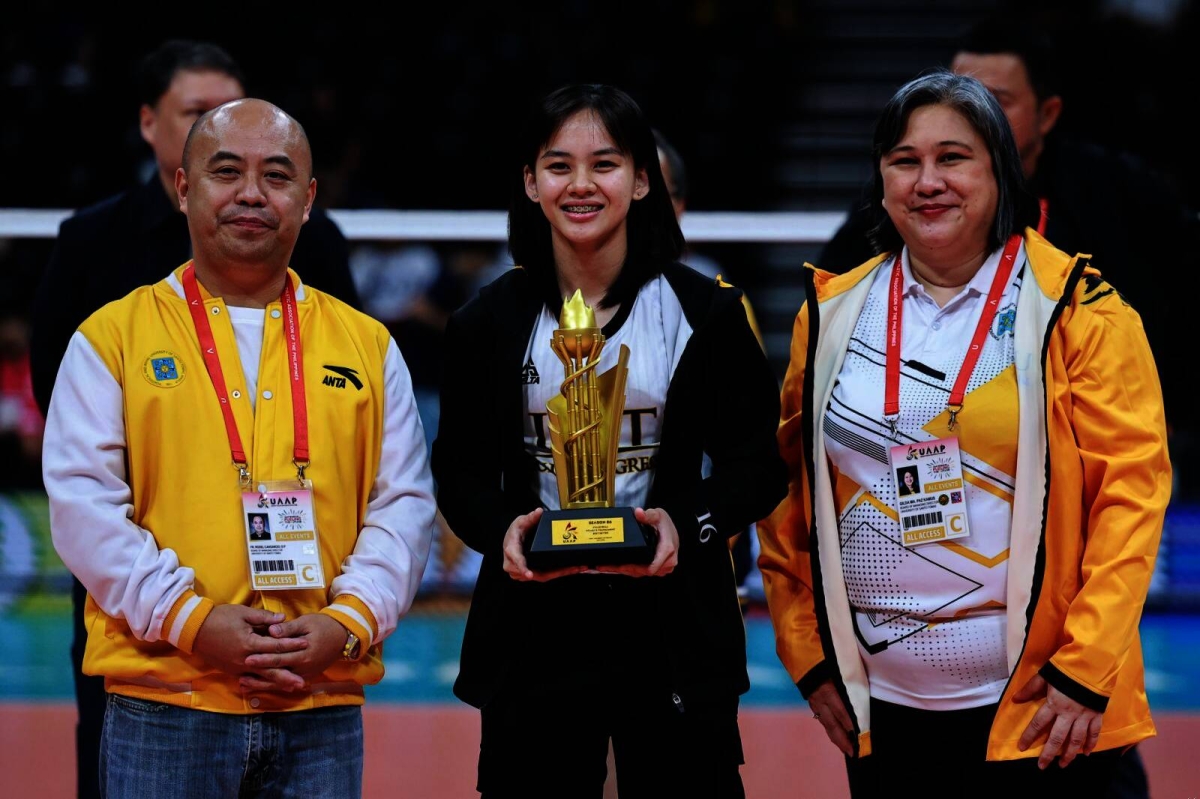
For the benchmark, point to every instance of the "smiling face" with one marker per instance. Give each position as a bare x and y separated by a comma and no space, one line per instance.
258,524
939,188
909,480
585,185
247,186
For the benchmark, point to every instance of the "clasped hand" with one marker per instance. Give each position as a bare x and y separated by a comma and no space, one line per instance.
266,652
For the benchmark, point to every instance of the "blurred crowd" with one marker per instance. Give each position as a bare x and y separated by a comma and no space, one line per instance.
419,119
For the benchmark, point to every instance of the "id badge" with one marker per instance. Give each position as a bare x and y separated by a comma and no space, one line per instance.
281,537
931,502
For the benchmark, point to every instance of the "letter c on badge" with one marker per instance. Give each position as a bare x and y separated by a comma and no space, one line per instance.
956,524
307,574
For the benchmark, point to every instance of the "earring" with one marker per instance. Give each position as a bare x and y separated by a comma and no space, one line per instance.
534,197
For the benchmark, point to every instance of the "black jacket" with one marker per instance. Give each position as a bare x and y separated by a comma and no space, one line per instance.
723,400
134,239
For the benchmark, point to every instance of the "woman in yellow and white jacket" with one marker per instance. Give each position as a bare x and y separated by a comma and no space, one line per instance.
1090,482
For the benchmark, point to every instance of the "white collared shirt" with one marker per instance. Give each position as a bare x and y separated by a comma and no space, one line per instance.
930,619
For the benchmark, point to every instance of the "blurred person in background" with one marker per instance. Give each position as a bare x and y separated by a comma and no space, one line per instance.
21,420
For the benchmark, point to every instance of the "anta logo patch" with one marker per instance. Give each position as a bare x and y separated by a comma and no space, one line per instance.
529,374
343,373
163,369
1005,322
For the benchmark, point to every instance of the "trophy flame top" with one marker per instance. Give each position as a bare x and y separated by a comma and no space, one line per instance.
576,314
579,318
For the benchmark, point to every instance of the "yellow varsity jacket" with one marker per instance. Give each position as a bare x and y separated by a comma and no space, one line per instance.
186,493
1093,483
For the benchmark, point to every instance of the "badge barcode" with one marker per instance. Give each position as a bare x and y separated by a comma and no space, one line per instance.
922,519
274,566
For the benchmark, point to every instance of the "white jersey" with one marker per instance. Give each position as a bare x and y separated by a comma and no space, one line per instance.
655,332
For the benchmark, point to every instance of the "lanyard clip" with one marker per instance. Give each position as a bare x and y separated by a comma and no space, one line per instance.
953,410
300,467
243,475
892,422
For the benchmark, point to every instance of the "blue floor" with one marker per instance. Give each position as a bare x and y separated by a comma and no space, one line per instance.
422,660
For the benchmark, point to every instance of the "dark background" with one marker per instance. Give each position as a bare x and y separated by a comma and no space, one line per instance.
417,114
771,104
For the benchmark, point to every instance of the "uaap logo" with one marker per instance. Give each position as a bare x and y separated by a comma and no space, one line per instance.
163,369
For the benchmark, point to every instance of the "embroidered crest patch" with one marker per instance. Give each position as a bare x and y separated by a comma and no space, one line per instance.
164,369
1005,322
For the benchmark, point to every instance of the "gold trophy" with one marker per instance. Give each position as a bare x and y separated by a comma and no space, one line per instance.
585,429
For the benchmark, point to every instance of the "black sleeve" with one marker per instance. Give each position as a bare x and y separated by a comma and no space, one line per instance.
748,477
849,246
1084,696
322,259
467,458
59,308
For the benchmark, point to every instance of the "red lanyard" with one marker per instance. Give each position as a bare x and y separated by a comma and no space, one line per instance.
1043,207
208,348
891,396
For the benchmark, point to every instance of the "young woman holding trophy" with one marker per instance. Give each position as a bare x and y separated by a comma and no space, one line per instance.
607,415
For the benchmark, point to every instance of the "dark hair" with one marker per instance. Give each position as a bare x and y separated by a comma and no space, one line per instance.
1016,206
159,67
1013,34
652,232
675,164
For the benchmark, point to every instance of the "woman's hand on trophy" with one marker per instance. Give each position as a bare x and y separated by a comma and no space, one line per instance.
514,551
666,553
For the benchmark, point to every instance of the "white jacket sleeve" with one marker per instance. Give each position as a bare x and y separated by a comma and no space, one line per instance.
83,466
389,558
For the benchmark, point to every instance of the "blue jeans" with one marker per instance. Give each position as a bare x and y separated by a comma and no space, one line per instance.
150,749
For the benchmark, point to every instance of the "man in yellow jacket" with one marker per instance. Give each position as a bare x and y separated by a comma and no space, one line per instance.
229,390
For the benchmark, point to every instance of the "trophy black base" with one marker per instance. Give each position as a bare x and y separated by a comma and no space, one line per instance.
589,537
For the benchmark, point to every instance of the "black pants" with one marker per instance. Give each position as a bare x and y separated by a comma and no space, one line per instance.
555,744
942,754
90,700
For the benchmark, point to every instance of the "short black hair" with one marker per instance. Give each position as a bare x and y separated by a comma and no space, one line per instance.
652,231
1012,34
1016,205
159,67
